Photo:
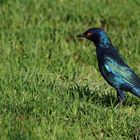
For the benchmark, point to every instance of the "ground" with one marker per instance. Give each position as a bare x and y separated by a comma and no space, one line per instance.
50,86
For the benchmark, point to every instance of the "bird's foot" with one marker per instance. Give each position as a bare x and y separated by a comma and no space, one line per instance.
121,97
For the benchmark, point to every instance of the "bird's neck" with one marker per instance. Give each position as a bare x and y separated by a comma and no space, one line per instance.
103,49
103,43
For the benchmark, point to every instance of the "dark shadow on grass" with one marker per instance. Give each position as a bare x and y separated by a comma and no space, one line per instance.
103,99
94,95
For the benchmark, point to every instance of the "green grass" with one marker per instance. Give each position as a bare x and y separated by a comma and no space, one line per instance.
50,87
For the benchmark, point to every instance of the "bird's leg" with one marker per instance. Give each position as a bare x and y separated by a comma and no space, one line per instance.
121,96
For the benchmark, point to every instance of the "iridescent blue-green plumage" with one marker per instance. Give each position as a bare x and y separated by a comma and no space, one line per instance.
111,65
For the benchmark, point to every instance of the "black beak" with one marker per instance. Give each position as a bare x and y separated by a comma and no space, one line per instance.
80,35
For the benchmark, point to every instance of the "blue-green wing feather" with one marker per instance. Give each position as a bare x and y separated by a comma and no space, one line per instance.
122,71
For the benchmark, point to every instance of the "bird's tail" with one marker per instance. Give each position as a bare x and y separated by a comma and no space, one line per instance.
136,92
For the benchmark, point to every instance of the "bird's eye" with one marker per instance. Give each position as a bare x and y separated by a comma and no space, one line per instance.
89,34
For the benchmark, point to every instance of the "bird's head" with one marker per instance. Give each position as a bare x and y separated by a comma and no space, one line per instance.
97,35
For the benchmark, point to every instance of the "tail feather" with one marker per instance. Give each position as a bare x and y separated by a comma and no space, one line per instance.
136,92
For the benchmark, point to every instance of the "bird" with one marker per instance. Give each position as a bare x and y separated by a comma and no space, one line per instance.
111,64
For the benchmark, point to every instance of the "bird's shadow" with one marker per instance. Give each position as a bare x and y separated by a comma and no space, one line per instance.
102,99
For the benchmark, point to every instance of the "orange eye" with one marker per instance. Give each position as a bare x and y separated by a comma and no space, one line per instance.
89,34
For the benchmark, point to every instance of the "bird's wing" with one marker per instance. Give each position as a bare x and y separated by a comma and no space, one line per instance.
121,70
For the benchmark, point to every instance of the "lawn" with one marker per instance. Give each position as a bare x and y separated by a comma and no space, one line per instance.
50,86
